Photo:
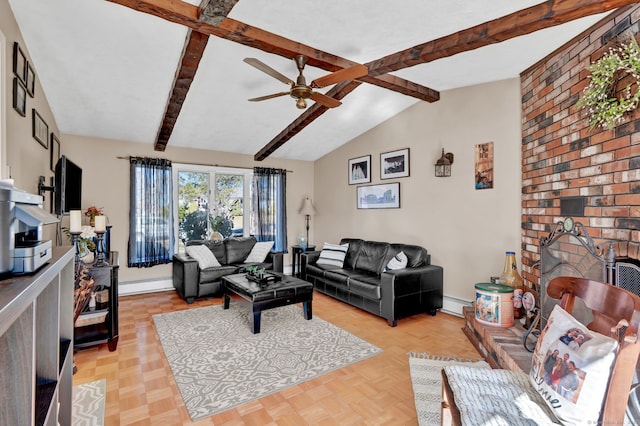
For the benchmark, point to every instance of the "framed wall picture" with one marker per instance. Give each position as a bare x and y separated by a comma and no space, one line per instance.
19,63
384,196
360,170
40,129
54,154
484,166
30,80
394,164
19,97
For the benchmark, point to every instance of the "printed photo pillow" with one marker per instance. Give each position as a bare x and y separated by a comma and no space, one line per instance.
570,368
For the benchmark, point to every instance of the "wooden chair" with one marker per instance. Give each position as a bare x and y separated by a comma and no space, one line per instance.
616,314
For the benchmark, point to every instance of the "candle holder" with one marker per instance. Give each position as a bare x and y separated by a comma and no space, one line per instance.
100,262
74,242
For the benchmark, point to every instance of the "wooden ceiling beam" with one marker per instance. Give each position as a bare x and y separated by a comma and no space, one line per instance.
522,22
229,29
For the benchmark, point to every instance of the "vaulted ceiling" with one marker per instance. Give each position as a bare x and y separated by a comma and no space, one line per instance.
162,72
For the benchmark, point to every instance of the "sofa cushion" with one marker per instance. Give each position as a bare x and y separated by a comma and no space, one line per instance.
399,261
333,254
203,255
210,275
352,253
238,248
338,276
372,256
366,286
259,252
416,255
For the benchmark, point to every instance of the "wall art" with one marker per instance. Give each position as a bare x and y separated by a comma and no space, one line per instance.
40,129
19,63
54,154
383,196
394,164
484,166
19,97
360,170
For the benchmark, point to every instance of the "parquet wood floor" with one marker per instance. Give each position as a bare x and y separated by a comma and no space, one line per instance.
141,389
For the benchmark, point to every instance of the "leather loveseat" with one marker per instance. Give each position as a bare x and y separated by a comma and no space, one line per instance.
192,282
363,282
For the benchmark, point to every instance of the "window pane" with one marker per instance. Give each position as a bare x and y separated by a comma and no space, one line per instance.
229,209
193,206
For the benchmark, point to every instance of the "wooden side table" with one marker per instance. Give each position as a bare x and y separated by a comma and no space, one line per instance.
296,251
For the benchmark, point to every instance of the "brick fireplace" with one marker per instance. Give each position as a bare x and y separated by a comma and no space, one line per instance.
568,169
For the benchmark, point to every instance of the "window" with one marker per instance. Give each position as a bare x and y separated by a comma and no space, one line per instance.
211,200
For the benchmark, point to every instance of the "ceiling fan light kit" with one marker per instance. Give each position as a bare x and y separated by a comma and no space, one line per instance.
300,90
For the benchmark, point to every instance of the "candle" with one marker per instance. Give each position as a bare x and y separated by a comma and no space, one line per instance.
101,225
75,221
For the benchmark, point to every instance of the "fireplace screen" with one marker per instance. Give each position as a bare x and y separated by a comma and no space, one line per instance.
568,251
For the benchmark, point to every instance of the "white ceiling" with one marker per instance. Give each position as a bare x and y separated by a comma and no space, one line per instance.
107,70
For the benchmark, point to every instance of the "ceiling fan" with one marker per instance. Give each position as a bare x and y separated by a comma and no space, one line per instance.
300,90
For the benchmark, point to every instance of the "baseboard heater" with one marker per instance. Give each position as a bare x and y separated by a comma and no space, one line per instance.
147,286
453,305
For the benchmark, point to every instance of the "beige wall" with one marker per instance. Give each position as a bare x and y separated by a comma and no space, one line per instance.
105,183
465,230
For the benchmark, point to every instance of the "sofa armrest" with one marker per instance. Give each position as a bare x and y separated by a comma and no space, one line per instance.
425,282
308,258
275,258
186,276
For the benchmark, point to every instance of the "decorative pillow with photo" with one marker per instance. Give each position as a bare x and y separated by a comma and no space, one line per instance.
259,252
570,368
333,254
203,255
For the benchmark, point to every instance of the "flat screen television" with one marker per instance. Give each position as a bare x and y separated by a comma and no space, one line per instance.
68,186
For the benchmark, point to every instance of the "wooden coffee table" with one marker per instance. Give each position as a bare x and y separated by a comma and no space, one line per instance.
288,291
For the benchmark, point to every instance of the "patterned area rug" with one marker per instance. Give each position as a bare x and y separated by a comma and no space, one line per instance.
88,403
219,364
426,379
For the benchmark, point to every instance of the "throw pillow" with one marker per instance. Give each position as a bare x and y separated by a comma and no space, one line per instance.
399,261
571,373
333,254
259,252
203,255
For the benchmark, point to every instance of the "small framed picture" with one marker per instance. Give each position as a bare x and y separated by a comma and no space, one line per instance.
40,129
31,80
19,63
19,97
394,164
360,170
385,196
54,155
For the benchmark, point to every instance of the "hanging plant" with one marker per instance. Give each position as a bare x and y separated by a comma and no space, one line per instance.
605,103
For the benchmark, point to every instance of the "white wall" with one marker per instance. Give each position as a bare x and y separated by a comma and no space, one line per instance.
465,230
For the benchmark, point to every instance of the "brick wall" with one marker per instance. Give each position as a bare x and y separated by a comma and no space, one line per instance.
562,157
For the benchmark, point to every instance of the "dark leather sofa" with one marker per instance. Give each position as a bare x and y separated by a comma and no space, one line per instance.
362,281
191,282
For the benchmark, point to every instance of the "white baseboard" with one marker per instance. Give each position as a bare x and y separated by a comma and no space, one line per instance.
453,305
138,287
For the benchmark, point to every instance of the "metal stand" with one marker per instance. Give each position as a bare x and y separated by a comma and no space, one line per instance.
74,241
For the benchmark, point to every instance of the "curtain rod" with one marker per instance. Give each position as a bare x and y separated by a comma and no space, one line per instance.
204,164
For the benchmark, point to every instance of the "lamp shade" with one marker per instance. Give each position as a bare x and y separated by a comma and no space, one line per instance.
307,208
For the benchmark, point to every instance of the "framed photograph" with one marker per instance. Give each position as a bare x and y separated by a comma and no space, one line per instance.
19,63
54,154
394,164
19,97
484,166
40,129
384,196
31,80
360,170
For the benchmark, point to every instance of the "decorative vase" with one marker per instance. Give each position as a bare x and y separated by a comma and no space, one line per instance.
302,242
88,258
92,221
512,278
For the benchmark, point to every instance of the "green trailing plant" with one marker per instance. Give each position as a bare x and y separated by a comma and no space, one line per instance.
605,103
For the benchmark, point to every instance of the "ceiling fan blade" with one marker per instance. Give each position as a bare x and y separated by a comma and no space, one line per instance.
325,100
344,74
267,69
264,98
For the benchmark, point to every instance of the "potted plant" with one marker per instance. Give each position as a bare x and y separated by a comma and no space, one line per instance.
92,212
